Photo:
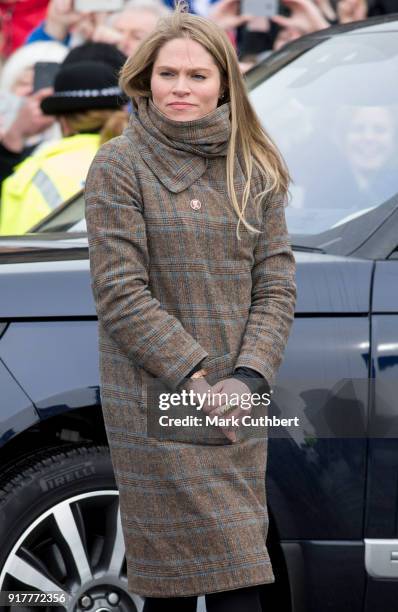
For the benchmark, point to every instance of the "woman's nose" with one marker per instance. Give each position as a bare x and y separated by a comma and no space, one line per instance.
181,85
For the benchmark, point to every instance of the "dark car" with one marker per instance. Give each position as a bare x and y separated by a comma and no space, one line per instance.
330,102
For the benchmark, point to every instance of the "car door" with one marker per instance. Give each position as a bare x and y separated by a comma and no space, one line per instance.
316,475
381,525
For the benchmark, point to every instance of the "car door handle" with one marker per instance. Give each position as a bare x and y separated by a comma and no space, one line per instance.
381,558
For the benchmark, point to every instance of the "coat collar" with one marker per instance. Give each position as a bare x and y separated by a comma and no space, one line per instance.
177,152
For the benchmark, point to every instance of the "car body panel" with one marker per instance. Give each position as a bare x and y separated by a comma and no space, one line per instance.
17,411
382,494
326,284
385,290
66,351
51,289
326,575
316,477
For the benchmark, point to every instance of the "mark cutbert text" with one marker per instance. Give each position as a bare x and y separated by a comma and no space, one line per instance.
232,421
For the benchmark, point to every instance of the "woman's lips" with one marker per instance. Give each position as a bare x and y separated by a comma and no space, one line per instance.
180,104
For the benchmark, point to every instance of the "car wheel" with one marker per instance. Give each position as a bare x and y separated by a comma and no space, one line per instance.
60,530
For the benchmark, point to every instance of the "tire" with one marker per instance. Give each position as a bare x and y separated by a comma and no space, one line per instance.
60,530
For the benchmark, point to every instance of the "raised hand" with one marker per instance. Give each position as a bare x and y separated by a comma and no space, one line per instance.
305,17
284,36
351,10
226,14
106,34
30,120
326,9
61,18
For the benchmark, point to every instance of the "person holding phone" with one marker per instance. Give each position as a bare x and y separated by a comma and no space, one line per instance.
72,21
193,279
260,32
88,107
129,26
22,124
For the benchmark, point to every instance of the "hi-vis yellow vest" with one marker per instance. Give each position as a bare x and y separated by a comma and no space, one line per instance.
41,182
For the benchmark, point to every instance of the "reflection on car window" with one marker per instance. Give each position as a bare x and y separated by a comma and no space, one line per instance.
69,217
81,226
333,114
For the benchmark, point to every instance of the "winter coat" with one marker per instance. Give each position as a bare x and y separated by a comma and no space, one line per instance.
173,286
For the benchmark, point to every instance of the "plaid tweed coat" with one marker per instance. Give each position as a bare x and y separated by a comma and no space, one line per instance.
173,286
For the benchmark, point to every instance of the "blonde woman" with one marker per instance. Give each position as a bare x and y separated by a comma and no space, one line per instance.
193,279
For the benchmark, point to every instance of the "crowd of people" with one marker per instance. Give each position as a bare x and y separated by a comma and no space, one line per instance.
49,132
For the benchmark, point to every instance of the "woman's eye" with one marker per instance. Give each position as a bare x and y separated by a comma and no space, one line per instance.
195,76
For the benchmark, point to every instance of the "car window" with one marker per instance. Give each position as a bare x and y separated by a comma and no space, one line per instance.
333,114
69,217
80,226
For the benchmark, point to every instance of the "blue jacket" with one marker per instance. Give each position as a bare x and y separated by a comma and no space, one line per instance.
39,34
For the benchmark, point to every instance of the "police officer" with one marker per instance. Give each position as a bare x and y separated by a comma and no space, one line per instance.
88,105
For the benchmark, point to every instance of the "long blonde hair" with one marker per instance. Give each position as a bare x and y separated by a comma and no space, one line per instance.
109,123
247,133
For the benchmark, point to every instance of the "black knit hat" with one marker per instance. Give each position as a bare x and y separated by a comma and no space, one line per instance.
83,86
97,52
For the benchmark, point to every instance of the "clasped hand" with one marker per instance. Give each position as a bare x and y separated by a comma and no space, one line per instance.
220,394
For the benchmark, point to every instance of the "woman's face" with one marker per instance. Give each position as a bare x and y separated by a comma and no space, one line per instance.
185,80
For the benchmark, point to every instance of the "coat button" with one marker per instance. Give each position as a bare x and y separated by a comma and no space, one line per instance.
195,204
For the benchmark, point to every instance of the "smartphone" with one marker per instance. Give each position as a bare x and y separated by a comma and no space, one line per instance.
44,74
97,6
259,8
